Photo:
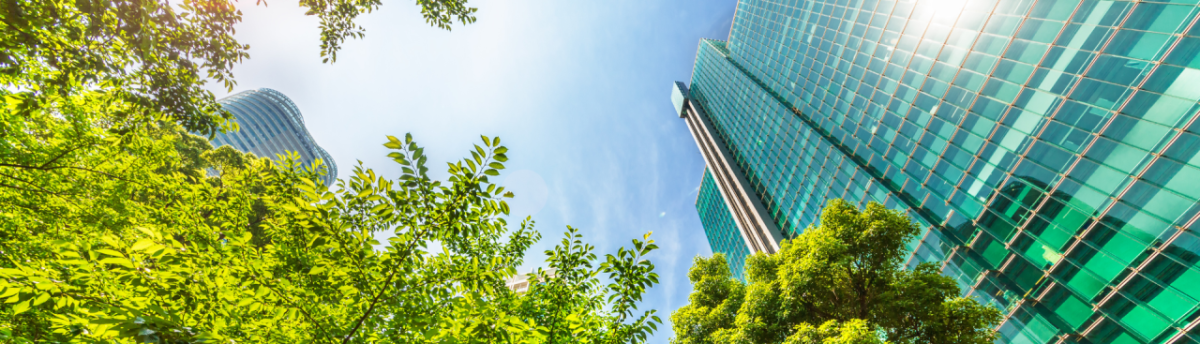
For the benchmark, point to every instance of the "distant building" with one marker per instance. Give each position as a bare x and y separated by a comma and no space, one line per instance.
521,282
270,124
1048,149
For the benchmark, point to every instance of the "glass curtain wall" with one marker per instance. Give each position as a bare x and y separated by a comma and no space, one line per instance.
1047,147
270,125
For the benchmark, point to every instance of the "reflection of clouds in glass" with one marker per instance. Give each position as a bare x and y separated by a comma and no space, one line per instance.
530,193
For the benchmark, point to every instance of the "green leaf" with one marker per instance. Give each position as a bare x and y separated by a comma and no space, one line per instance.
245,302
111,252
316,270
42,298
393,143
117,261
20,307
496,165
491,172
142,245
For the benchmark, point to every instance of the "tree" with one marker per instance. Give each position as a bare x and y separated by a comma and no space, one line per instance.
840,282
710,315
84,85
111,229
193,265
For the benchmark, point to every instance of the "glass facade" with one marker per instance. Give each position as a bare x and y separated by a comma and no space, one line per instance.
719,226
270,125
1047,147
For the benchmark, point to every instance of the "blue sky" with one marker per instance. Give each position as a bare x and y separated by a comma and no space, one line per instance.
578,91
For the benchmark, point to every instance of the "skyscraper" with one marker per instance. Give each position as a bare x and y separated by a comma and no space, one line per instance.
270,124
1047,148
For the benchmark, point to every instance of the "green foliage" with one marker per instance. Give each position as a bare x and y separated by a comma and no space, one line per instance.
94,92
118,226
841,282
263,254
855,331
709,318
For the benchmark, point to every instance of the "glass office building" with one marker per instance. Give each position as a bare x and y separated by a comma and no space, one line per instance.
1048,148
719,225
270,125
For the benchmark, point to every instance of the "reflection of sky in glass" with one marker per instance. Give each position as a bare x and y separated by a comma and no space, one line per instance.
1052,143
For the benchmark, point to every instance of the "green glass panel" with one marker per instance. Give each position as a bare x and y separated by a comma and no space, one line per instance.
1160,17
1012,71
1100,94
1109,333
1185,53
1157,108
1084,37
1144,135
1119,70
1101,265
1101,12
1175,81
992,251
1139,44
1168,302
1068,60
1139,226
1122,157
1166,205
1082,281
1026,51
1068,307
1175,275
1042,31
1136,317
1035,329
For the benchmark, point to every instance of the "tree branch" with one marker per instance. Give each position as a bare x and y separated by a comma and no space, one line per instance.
370,309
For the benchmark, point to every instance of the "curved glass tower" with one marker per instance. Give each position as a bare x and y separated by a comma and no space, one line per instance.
269,125
1049,149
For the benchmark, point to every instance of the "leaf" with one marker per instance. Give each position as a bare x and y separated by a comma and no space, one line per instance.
491,172
41,299
142,245
117,261
245,302
496,165
21,307
393,143
111,252
262,291
317,270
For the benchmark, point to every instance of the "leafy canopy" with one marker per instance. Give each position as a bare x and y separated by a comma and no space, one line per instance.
261,253
840,282
113,231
